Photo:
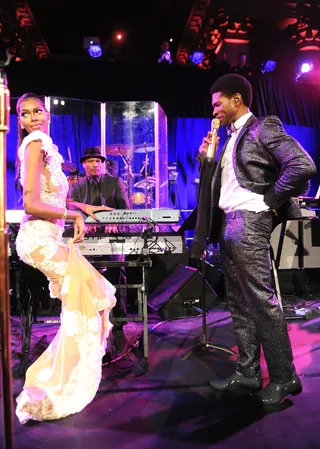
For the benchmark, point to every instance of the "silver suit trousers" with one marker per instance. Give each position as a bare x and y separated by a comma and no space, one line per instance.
257,317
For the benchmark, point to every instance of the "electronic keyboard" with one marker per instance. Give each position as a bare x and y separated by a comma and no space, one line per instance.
117,216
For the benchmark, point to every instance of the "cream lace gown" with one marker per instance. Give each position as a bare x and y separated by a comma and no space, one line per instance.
66,377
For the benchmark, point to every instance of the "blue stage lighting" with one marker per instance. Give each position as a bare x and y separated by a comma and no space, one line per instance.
95,51
197,57
268,66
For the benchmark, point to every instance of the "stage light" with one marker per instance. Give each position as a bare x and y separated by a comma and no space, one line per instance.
95,51
119,37
268,66
304,68
56,102
91,44
197,57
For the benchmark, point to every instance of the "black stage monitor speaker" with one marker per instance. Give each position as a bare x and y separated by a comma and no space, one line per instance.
179,295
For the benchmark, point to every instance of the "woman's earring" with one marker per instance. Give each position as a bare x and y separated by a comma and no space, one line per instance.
22,127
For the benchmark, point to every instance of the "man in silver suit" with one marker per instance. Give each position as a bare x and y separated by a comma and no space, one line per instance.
258,172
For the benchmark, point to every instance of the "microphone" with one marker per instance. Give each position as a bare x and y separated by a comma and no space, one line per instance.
212,146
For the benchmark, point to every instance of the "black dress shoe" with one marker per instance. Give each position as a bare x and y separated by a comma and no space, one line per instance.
236,382
274,393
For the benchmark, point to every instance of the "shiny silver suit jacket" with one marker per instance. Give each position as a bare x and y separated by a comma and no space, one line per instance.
266,161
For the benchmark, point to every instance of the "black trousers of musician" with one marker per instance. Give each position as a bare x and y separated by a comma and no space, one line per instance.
257,317
117,276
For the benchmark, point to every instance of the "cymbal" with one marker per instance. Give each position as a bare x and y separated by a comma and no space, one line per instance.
149,181
124,173
119,149
144,148
68,166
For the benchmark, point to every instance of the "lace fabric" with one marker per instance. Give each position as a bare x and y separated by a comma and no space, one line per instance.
54,184
66,377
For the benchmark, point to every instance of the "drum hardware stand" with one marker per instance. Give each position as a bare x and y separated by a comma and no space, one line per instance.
202,342
127,159
145,164
173,186
145,167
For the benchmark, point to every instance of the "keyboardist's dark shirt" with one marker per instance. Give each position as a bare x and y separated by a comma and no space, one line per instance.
94,191
112,192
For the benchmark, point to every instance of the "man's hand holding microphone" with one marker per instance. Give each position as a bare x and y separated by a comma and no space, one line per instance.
209,145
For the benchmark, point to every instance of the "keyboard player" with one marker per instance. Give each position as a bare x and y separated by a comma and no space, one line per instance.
98,189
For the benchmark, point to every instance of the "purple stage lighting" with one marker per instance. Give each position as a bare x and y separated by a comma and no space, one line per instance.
306,67
95,51
197,57
268,66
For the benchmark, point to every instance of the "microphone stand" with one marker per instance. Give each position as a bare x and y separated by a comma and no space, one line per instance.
203,342
201,232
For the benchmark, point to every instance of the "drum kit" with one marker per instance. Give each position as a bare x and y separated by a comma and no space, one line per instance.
147,183
72,169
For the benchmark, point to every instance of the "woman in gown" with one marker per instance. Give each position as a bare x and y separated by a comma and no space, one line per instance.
66,377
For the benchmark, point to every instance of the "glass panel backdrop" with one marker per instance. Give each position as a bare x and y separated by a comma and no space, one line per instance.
136,137
75,125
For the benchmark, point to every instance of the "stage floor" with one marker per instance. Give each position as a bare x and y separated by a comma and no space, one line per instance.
171,405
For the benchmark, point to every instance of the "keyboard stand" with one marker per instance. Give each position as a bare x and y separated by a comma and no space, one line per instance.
142,316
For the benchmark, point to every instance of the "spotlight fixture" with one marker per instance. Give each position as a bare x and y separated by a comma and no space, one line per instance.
268,66
95,51
92,46
197,57
56,102
304,68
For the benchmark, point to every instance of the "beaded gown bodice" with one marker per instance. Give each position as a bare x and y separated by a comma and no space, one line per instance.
54,183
